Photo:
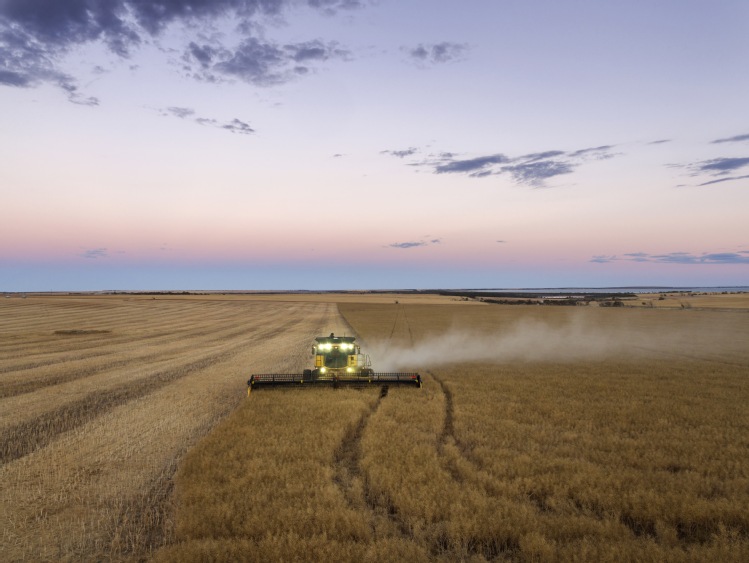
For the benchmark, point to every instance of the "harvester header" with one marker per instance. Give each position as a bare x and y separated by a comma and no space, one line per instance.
338,361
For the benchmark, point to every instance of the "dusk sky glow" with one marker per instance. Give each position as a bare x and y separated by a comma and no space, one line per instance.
372,144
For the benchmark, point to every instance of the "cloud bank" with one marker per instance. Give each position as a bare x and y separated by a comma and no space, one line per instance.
734,139
36,35
720,166
94,253
727,179
717,168
233,126
437,53
530,169
414,244
401,153
258,62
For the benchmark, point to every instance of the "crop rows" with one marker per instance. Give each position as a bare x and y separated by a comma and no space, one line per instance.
101,397
540,434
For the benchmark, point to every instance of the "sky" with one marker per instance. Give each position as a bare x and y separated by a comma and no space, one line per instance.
373,144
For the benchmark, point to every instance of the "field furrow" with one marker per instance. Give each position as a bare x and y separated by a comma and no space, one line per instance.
166,347
118,324
23,438
75,381
20,384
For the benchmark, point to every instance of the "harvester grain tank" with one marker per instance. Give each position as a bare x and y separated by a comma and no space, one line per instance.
338,361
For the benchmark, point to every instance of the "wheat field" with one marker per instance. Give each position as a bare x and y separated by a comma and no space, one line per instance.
100,398
541,433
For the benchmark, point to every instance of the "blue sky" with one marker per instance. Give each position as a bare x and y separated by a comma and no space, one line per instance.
277,144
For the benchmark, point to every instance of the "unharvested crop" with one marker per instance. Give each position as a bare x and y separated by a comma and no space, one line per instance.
630,444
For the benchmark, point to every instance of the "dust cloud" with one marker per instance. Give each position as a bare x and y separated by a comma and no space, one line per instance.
528,340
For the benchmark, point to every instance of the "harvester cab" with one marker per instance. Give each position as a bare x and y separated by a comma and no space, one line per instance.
339,355
338,361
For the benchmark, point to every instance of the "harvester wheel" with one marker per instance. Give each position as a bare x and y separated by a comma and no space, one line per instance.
307,373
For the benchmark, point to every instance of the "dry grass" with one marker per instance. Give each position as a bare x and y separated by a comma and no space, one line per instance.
536,452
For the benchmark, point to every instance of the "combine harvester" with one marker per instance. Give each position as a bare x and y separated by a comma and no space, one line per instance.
338,361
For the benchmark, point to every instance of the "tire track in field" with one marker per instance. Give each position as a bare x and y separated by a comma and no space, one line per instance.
440,546
347,472
408,326
464,453
26,437
448,426
638,526
447,435
347,465
489,550
400,311
347,456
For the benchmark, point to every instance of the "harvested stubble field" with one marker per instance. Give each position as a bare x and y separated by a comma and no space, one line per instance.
542,434
100,397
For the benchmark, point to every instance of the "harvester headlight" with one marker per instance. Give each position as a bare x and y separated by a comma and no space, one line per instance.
328,346
344,346
349,370
323,370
